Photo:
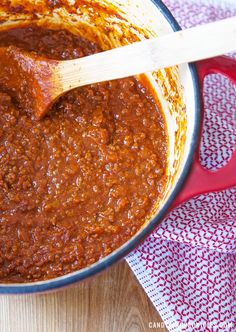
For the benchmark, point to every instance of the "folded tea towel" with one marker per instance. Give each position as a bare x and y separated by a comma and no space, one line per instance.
188,265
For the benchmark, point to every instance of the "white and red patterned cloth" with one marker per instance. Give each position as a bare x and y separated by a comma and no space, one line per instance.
188,265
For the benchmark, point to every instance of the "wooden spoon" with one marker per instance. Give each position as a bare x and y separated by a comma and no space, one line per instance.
37,82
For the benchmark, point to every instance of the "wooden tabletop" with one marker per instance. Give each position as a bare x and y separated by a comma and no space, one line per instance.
110,302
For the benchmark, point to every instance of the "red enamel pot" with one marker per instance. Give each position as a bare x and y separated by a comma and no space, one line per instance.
179,91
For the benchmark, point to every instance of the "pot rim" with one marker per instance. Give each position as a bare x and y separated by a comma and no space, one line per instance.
126,248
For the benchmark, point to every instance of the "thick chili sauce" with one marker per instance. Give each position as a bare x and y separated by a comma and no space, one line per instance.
79,183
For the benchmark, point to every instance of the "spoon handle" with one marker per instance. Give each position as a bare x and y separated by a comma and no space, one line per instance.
184,46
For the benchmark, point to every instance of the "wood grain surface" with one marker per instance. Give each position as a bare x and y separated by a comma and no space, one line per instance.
110,302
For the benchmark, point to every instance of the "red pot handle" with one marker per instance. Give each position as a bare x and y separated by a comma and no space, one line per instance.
201,180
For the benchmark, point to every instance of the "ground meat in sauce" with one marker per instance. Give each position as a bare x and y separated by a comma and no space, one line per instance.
79,183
